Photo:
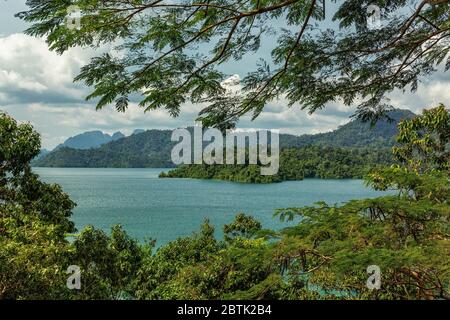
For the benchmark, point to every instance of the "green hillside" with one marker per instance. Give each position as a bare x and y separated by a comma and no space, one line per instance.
151,149
296,164
354,134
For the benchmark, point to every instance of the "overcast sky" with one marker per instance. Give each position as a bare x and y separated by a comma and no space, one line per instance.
36,86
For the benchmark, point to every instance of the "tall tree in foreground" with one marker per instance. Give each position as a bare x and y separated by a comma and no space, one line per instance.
34,224
34,219
172,51
406,235
425,141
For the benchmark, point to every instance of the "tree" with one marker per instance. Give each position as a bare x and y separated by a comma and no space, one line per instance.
295,164
243,226
425,141
34,225
109,263
165,274
34,219
310,65
405,234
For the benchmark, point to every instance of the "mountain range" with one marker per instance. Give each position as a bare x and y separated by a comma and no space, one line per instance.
354,133
89,140
152,148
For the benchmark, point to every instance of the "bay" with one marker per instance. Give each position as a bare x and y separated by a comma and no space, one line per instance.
165,209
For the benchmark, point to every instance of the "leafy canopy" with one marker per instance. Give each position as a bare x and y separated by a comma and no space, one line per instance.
171,52
33,218
34,224
425,141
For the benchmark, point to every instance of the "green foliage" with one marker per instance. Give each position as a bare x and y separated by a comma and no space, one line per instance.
310,65
109,264
33,219
162,274
295,164
243,226
406,237
236,173
323,255
34,223
425,140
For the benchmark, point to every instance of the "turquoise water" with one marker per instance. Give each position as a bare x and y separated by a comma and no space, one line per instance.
165,209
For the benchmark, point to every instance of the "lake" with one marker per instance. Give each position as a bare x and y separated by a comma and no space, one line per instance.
165,209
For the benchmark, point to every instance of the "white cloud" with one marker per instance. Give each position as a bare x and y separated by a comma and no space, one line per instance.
28,70
429,94
232,85
65,120
11,78
36,85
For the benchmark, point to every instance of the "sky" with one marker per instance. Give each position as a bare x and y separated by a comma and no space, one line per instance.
36,86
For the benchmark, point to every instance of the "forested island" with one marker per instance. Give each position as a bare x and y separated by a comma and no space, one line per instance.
296,164
346,153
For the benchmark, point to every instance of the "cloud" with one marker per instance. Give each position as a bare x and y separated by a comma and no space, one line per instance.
29,72
294,120
85,116
429,94
36,85
54,121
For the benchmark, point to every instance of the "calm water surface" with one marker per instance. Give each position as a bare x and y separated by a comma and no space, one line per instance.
165,209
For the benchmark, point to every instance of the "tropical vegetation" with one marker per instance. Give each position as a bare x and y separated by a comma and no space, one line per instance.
323,255
295,164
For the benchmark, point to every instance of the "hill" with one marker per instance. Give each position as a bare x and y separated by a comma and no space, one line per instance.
354,133
295,164
147,149
89,140
152,148
42,153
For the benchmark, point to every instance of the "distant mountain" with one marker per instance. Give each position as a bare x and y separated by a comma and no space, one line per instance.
137,131
152,148
117,135
354,134
42,154
89,140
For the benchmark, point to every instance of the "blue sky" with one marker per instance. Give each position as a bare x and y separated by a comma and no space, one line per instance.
36,86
